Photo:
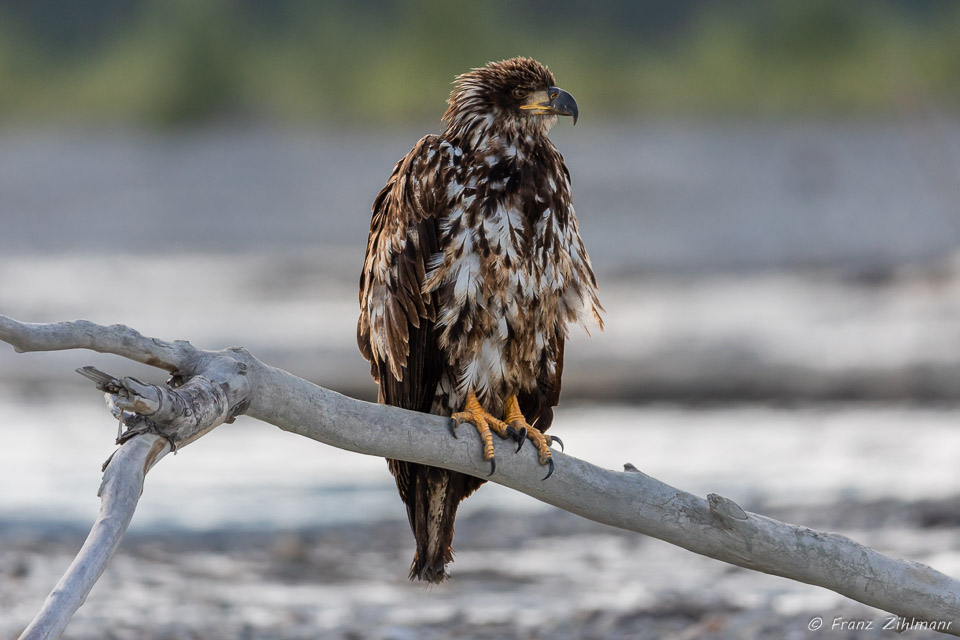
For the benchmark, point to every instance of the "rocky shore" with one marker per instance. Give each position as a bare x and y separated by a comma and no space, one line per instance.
548,575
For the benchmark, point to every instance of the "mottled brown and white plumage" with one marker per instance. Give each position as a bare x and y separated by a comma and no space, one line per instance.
474,269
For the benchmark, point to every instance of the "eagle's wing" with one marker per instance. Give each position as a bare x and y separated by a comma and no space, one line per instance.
537,405
395,329
396,334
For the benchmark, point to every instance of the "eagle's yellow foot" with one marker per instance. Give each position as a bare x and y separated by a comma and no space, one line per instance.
522,431
486,426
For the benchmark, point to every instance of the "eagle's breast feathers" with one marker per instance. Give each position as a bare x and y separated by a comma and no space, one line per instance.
500,275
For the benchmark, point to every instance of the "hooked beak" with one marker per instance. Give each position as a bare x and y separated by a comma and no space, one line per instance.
555,101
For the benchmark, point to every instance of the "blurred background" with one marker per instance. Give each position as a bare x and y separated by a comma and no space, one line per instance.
769,191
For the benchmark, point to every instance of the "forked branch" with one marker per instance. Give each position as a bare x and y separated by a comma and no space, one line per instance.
715,527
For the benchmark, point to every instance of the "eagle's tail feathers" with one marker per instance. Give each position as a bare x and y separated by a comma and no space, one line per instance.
432,496
438,494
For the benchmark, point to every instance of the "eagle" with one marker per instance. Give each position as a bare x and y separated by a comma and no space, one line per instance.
473,271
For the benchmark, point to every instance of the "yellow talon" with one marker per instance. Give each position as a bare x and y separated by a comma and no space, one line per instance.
485,423
513,424
513,411
516,420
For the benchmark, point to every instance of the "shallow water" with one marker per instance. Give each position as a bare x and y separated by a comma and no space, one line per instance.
251,532
250,475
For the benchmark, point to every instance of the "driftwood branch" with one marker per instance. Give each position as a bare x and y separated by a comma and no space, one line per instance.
119,494
212,387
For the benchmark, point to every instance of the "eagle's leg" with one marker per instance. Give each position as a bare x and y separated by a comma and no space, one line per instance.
485,423
518,424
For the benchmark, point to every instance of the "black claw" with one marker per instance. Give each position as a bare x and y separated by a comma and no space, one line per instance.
493,466
553,437
453,428
550,472
521,437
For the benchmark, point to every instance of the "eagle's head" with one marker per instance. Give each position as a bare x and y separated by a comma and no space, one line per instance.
511,96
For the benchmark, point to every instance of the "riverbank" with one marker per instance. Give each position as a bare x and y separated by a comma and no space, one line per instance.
546,575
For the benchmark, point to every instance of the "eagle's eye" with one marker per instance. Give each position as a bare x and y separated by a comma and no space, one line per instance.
519,93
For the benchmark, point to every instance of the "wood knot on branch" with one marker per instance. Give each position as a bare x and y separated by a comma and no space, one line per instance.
727,510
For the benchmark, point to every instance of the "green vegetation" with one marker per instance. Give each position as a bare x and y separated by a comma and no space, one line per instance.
164,62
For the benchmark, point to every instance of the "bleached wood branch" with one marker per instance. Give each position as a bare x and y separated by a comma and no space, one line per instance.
715,527
119,494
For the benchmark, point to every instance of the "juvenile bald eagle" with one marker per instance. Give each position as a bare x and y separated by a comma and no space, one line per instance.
474,268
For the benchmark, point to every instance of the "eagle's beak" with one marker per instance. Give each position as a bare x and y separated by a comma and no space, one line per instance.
563,104
556,101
